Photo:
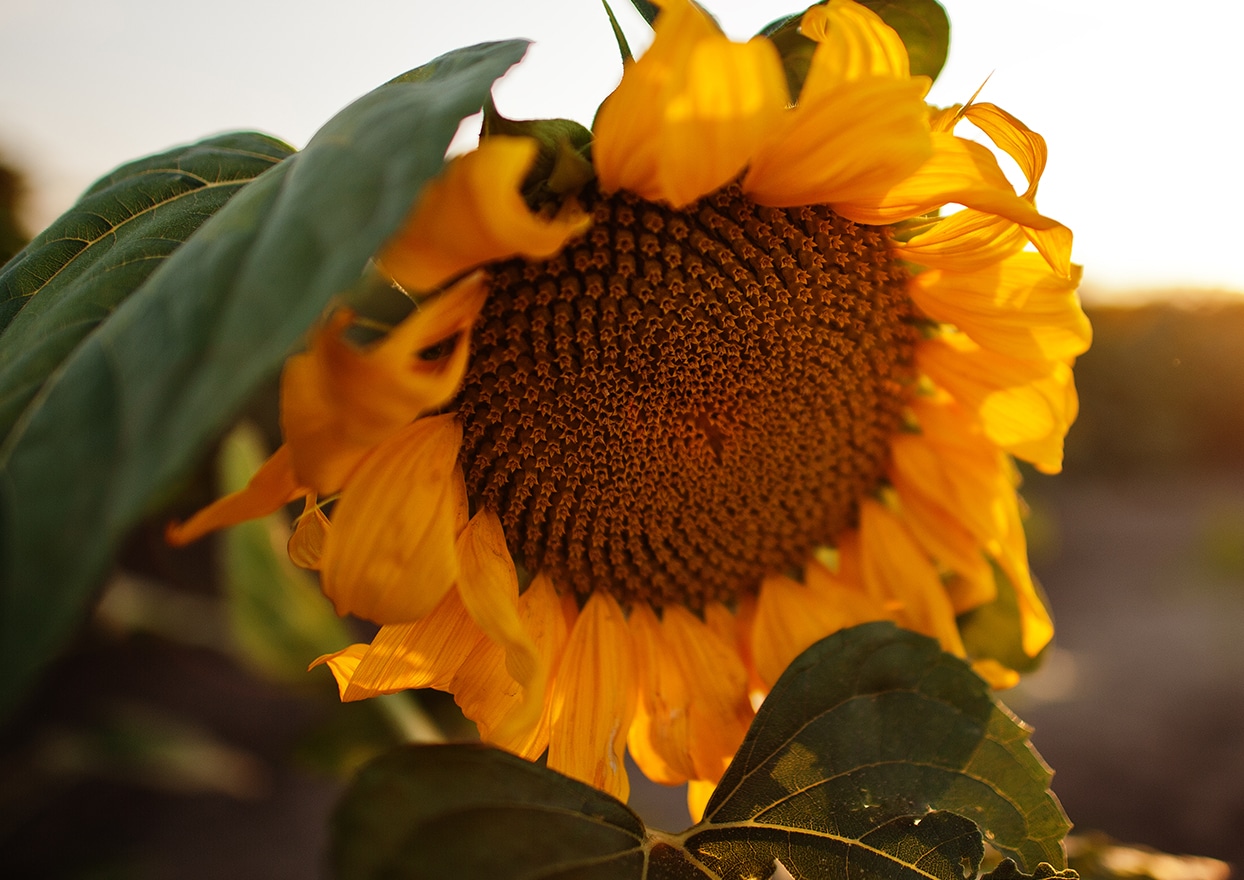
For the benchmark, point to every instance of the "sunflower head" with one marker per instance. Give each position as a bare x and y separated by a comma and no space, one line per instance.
684,394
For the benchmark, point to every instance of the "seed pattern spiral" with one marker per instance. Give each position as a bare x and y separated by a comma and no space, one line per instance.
686,400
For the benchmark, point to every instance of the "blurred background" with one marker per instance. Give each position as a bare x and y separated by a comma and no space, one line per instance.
180,736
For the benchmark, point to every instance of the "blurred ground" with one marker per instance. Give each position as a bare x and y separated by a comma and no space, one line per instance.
152,751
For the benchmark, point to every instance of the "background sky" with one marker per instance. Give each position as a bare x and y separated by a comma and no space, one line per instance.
1132,97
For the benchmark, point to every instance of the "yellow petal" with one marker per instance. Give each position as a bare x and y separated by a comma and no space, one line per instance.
486,692
1024,406
272,487
688,115
791,616
338,401
959,171
1036,625
894,564
424,654
1018,307
998,676
473,214
852,43
964,241
699,791
659,738
390,555
855,142
306,544
951,463
594,699
944,537
718,710
489,588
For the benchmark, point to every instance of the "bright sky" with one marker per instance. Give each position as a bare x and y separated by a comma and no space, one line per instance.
1133,97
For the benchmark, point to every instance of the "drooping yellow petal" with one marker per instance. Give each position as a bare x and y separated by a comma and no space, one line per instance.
958,171
424,654
473,214
488,585
594,699
718,710
688,115
306,544
338,401
659,738
486,692
272,487
1018,307
952,545
389,556
1024,406
894,564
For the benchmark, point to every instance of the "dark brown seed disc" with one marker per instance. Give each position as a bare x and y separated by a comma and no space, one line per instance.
685,401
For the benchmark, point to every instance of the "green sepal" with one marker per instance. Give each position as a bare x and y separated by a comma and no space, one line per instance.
624,48
995,630
561,167
876,755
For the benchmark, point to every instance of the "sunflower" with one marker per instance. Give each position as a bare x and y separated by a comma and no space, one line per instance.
736,386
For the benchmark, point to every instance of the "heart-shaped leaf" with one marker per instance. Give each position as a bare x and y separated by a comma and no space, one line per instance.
875,756
134,406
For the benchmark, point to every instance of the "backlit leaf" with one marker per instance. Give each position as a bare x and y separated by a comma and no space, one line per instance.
141,397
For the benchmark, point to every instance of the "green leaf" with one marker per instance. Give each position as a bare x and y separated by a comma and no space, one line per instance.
78,270
876,722
279,618
1008,870
875,756
924,29
128,413
921,24
647,9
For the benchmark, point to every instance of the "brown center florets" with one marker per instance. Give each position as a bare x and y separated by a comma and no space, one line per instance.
686,400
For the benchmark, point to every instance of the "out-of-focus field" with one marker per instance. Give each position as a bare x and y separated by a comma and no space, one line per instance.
1140,544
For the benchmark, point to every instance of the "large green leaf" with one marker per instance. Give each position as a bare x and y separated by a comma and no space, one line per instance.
141,397
875,756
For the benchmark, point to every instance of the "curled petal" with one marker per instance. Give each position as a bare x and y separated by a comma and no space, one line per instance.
389,556
489,588
473,214
593,699
306,544
424,654
272,487
688,115
338,401
489,695
852,43
959,171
